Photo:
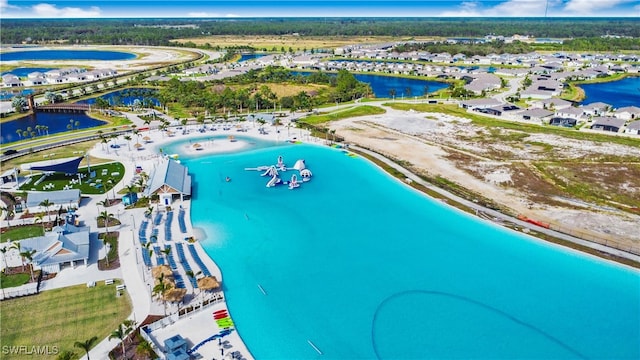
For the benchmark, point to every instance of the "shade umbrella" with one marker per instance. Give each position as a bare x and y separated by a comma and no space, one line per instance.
174,294
146,139
197,146
138,146
161,269
208,283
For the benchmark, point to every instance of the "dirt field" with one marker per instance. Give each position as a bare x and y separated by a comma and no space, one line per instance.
581,187
296,42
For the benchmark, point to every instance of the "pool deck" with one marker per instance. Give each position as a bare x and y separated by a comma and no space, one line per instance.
198,325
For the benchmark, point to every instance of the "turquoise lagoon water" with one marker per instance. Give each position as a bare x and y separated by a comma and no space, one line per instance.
364,267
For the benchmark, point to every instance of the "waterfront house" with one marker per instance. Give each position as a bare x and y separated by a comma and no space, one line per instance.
628,112
607,123
169,180
633,128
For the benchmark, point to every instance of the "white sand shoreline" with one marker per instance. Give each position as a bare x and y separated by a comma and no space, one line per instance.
211,142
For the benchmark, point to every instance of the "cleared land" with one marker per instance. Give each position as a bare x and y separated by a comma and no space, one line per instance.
582,183
61,317
296,42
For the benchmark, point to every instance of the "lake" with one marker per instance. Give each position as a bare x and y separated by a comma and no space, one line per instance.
126,97
66,55
246,57
56,123
621,93
382,85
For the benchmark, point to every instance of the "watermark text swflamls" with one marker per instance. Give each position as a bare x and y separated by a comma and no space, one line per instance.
30,350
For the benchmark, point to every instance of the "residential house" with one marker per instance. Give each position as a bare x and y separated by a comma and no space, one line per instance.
633,128
551,104
570,112
564,122
595,109
607,123
627,113
535,114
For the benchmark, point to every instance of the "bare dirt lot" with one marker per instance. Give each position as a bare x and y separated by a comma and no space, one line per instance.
586,188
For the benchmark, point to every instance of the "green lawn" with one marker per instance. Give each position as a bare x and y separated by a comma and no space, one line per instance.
22,232
61,317
7,281
60,180
343,114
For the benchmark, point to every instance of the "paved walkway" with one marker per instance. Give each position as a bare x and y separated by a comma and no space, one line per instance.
498,214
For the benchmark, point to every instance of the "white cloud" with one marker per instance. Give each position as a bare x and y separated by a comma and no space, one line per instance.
519,8
4,5
51,11
586,7
510,8
538,8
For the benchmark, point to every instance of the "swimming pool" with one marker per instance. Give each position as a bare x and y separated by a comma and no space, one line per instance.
362,266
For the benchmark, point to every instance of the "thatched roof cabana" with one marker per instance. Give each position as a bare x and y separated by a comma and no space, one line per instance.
161,269
174,294
208,283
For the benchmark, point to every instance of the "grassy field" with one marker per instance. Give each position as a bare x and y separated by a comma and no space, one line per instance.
343,114
293,89
102,176
61,317
22,232
61,152
270,42
8,281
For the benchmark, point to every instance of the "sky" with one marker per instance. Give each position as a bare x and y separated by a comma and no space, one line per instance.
316,8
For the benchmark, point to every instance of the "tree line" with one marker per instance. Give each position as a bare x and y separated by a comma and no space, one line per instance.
162,31
249,91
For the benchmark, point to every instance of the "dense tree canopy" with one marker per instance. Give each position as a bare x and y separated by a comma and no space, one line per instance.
161,31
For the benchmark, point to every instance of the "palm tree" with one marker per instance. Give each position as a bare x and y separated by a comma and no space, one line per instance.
86,345
19,132
105,243
144,348
160,289
39,219
148,212
106,217
121,333
112,183
128,138
66,355
9,212
192,275
28,254
104,203
4,250
166,252
46,203
147,247
392,93
16,245
131,189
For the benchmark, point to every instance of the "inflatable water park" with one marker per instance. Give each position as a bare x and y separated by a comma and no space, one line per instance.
300,173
